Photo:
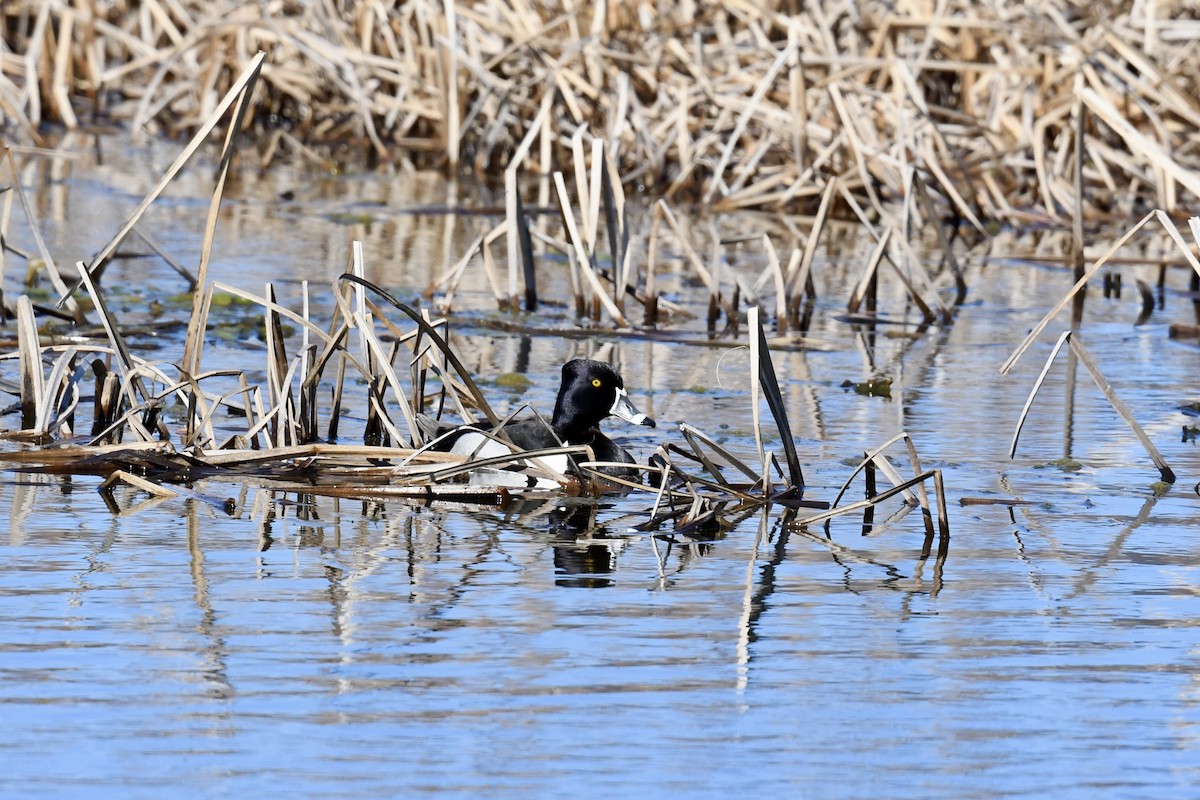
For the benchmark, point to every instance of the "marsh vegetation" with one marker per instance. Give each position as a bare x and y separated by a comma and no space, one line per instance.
853,256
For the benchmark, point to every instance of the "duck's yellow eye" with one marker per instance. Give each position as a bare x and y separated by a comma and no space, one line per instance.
597,382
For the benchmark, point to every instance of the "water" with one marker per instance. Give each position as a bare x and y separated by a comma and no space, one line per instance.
326,648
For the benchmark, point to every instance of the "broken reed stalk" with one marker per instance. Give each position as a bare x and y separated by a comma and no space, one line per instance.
776,273
528,268
887,494
47,260
1037,385
278,374
242,91
874,460
765,377
714,290
919,284
925,203
1172,232
1080,115
5,217
862,289
1071,339
428,330
100,260
30,363
943,532
650,317
614,222
583,255
799,281
517,231
869,494
115,339
1079,284
755,387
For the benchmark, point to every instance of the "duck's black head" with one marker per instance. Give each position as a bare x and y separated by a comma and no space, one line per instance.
590,391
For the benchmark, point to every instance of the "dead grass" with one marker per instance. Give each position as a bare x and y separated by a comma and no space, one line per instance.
1018,112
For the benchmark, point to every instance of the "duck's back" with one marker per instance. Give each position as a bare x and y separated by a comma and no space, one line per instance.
532,434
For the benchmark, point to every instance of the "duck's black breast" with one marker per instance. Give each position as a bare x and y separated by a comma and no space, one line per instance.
605,449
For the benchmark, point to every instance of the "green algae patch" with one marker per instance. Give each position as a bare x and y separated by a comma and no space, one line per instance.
513,381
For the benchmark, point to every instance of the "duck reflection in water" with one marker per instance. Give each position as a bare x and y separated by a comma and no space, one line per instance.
584,555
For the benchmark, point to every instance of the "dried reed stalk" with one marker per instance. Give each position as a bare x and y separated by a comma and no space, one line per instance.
1085,357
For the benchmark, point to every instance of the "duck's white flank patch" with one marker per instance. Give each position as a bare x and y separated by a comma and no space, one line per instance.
475,445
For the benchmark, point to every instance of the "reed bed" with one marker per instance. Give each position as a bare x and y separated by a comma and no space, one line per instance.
947,119
165,430
155,426
164,426
1018,112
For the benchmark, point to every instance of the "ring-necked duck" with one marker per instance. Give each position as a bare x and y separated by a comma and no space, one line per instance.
590,391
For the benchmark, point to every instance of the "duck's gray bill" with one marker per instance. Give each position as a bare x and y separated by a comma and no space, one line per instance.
628,411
